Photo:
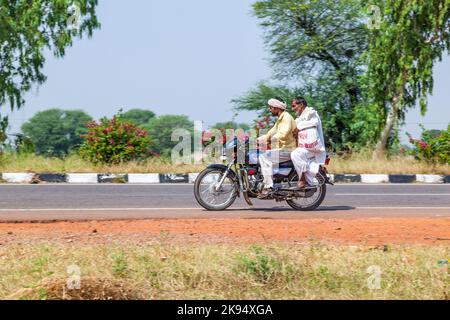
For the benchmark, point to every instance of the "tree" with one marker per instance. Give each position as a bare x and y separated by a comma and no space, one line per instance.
412,36
27,29
3,136
320,39
56,132
317,46
138,116
231,125
160,130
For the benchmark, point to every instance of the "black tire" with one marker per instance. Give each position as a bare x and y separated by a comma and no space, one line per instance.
207,206
322,188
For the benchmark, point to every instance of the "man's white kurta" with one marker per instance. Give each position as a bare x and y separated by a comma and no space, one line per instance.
310,118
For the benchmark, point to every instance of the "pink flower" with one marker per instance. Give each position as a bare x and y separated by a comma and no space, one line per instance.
91,124
422,144
207,135
155,154
142,133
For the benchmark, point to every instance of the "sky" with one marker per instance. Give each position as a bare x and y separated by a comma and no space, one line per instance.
177,57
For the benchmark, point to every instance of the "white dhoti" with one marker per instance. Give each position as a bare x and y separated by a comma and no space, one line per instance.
305,163
270,160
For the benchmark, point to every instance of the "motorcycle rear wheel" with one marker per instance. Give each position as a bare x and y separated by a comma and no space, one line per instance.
322,188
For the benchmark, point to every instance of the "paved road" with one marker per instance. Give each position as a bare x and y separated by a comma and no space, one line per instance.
98,202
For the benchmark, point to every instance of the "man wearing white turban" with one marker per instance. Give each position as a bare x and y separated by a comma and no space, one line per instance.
282,141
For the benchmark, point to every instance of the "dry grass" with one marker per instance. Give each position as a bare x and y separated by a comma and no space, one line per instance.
74,164
363,163
275,271
357,163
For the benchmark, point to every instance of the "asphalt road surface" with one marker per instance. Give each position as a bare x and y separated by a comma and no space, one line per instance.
111,201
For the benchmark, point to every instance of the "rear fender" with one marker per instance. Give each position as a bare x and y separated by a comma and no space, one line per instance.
324,173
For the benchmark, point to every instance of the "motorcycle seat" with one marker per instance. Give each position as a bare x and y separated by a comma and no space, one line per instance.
287,164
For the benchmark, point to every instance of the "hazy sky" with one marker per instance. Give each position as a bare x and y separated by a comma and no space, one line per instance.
175,57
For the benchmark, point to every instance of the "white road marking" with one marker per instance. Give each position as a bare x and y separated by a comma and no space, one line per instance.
404,208
391,194
447,185
181,209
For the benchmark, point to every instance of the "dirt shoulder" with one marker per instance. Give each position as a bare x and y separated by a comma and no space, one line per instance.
370,231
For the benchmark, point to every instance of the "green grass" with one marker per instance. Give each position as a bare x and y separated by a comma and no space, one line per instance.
357,163
272,271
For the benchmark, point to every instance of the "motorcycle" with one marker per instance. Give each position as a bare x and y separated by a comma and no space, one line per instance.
217,187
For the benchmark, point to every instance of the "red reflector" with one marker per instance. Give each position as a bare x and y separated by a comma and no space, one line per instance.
251,172
327,161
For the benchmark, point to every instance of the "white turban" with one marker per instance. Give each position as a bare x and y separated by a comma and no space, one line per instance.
277,104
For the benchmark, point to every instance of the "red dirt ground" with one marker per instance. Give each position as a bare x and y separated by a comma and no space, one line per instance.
371,231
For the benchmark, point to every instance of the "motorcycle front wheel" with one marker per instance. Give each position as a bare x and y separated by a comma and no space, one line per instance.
205,189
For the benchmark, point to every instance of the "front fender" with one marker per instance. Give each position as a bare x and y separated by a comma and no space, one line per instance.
222,167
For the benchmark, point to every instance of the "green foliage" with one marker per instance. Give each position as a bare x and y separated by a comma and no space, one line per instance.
361,80
344,129
317,37
161,128
231,125
3,136
138,116
120,264
24,145
114,141
411,37
319,45
433,147
258,265
56,132
27,28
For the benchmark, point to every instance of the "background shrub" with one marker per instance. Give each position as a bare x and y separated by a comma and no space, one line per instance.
113,141
433,147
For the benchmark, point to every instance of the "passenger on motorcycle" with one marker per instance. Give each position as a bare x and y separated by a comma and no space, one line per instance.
311,152
282,140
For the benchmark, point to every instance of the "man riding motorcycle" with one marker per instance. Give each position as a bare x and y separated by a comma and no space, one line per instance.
282,140
311,152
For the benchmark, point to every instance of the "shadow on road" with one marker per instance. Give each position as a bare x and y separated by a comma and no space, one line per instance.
288,209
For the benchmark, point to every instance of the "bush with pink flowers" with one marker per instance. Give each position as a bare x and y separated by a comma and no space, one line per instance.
113,141
432,147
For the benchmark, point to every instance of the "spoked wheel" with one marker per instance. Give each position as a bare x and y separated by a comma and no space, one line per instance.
309,203
205,189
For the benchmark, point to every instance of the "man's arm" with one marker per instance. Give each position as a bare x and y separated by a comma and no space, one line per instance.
267,137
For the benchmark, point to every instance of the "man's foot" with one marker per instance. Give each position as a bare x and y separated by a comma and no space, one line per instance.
301,184
264,193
